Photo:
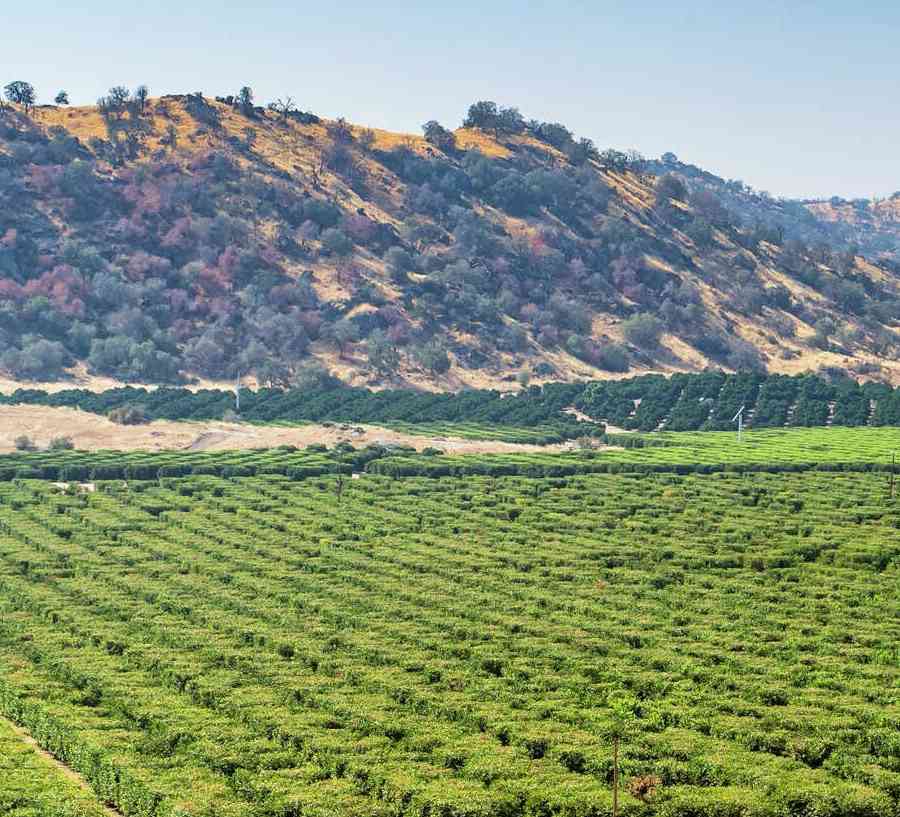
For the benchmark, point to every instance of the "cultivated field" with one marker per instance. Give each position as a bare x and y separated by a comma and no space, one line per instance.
295,644
33,784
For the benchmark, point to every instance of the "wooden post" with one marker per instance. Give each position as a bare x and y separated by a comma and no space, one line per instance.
893,462
615,810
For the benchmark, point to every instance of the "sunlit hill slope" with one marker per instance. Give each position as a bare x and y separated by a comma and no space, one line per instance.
187,237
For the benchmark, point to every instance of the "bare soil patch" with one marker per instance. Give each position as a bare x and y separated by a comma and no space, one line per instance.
91,432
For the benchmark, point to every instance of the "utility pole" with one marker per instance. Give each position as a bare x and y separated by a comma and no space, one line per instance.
739,419
237,394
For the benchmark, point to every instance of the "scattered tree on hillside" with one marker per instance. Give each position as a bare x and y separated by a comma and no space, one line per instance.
488,116
670,186
245,101
614,160
171,137
118,97
21,93
437,135
336,242
343,333
382,354
38,358
340,131
283,107
62,98
399,263
141,95
643,330
433,357
582,151
366,139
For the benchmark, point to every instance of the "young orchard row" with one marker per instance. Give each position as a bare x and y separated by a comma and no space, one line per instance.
32,785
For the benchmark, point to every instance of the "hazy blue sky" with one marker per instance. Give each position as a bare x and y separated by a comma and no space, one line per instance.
799,98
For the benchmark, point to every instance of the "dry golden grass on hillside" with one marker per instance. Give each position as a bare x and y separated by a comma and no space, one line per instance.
295,151
885,211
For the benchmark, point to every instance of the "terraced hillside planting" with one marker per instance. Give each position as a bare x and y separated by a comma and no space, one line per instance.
251,644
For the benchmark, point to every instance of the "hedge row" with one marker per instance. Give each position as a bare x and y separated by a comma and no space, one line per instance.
533,407
682,402
709,401
497,466
111,783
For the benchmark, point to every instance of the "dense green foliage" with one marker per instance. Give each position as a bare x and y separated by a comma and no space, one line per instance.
32,786
80,466
537,406
773,450
681,402
770,450
709,401
256,646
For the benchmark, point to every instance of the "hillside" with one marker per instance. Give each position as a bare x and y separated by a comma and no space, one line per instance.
873,225
150,240
868,227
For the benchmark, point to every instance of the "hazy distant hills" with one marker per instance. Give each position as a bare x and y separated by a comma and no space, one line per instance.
871,227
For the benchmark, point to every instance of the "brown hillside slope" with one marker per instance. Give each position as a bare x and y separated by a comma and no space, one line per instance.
202,215
873,223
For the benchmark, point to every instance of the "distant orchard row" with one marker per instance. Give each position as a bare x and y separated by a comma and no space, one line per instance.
681,402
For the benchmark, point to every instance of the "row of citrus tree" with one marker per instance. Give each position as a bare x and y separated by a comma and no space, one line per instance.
681,402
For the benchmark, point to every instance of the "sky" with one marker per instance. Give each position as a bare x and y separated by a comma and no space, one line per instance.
796,98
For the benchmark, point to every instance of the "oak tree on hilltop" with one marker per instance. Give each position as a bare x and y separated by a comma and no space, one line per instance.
21,93
245,100
141,95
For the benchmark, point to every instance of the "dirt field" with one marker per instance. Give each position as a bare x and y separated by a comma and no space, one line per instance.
91,432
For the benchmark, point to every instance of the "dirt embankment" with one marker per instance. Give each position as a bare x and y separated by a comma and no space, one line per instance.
91,432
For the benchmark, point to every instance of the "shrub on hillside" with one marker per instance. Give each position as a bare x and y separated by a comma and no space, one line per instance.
38,359
611,357
24,443
643,330
670,186
128,415
61,444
